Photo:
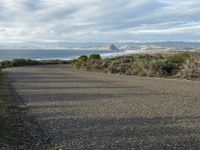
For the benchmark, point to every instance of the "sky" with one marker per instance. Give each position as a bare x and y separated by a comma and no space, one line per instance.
99,20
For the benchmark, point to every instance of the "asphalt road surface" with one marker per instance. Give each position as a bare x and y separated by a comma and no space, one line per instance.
84,110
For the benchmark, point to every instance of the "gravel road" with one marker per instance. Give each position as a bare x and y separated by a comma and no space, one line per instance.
84,110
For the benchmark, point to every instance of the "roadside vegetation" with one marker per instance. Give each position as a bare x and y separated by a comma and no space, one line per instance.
191,68
183,65
27,62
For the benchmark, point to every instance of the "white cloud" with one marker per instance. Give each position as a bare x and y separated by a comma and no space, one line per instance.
99,20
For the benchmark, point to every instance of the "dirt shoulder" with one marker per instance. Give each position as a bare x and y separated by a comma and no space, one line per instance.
18,128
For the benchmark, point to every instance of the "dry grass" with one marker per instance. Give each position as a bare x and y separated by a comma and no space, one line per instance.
183,64
191,69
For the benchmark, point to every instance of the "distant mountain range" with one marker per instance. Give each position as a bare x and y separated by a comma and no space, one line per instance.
102,46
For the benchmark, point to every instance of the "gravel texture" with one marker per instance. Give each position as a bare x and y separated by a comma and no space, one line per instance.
84,110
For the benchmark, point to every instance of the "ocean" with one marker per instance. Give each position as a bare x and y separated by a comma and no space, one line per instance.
45,54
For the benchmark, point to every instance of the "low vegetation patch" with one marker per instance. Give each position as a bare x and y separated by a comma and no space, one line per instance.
27,62
183,64
191,69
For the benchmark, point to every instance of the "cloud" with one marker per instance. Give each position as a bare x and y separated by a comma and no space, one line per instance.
99,20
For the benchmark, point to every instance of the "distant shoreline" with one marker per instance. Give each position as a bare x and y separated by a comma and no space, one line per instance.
67,55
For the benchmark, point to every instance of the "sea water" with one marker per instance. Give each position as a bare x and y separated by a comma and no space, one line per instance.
45,54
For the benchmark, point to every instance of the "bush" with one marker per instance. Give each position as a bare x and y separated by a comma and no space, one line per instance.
191,69
23,62
94,65
95,56
169,69
156,68
83,58
174,62
137,68
77,64
6,64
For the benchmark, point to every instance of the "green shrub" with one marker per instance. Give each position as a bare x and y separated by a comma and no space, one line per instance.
136,68
83,58
6,64
18,62
173,63
95,56
169,69
176,59
74,61
23,62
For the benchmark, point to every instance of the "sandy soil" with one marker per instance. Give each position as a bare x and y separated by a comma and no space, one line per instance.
83,110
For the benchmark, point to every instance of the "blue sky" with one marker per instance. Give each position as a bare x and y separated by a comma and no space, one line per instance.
99,20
